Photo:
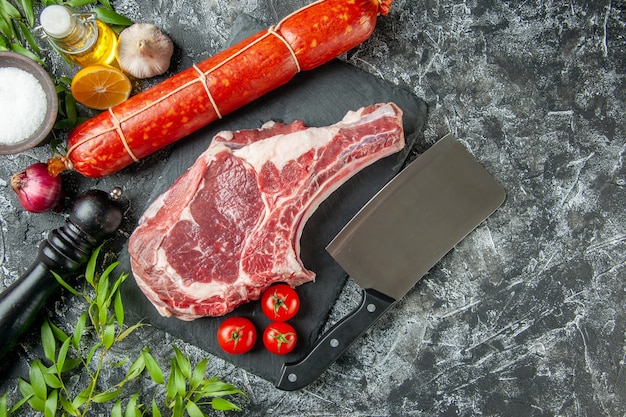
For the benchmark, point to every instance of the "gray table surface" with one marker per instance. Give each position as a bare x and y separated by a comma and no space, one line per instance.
526,316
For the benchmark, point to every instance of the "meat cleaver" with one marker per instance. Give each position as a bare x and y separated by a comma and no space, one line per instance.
396,238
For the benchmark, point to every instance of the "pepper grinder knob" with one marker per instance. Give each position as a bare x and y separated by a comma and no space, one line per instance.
97,213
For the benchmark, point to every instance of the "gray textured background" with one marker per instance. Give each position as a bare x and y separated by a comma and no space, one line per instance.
526,315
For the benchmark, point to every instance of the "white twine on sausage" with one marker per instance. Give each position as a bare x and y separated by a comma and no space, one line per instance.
202,78
202,75
118,127
272,30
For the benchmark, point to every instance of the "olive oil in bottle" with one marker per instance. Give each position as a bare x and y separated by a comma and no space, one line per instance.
81,37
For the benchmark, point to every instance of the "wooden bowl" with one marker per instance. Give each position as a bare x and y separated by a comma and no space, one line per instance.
15,60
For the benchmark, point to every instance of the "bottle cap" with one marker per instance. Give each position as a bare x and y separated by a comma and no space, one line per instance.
56,21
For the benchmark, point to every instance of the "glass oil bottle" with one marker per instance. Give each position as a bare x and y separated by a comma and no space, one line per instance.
81,37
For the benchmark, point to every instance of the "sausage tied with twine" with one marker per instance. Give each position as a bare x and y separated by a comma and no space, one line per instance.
205,92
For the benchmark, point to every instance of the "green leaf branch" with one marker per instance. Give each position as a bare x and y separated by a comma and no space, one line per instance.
84,353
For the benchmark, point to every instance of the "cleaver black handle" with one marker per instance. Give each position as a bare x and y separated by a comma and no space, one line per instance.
335,342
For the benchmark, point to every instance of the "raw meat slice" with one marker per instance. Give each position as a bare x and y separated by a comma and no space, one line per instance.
230,226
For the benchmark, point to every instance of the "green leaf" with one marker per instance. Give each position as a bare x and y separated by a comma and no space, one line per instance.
48,341
25,388
51,404
15,47
118,306
178,409
223,405
117,282
171,382
70,364
183,362
84,395
68,406
113,289
90,269
37,380
112,18
52,381
103,292
57,144
4,412
81,3
216,388
9,10
106,3
155,409
132,409
198,373
193,410
59,334
65,80
63,355
6,28
18,405
179,382
27,8
109,269
65,285
64,124
79,330
136,368
128,331
37,404
70,108
107,395
109,336
92,351
103,316
120,363
153,367
28,36
116,411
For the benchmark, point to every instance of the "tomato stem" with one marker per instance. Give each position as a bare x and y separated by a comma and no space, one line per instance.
235,336
279,302
281,338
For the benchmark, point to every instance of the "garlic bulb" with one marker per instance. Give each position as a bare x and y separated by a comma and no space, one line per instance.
143,51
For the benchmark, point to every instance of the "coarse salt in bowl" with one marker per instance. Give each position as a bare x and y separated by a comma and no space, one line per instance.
28,103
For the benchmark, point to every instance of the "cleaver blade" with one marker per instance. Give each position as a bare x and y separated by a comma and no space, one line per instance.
396,238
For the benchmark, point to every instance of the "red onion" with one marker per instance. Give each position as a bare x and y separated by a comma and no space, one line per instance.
36,189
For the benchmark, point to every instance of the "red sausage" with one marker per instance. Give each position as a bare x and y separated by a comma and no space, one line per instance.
219,85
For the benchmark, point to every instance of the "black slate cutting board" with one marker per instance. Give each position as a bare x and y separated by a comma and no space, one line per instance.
319,97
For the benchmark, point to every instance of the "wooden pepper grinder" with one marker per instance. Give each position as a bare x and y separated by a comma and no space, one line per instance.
95,215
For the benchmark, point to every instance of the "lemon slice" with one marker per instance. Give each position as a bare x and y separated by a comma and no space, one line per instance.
100,87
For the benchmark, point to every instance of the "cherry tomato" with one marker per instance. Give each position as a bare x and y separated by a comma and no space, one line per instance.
280,337
236,335
280,302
